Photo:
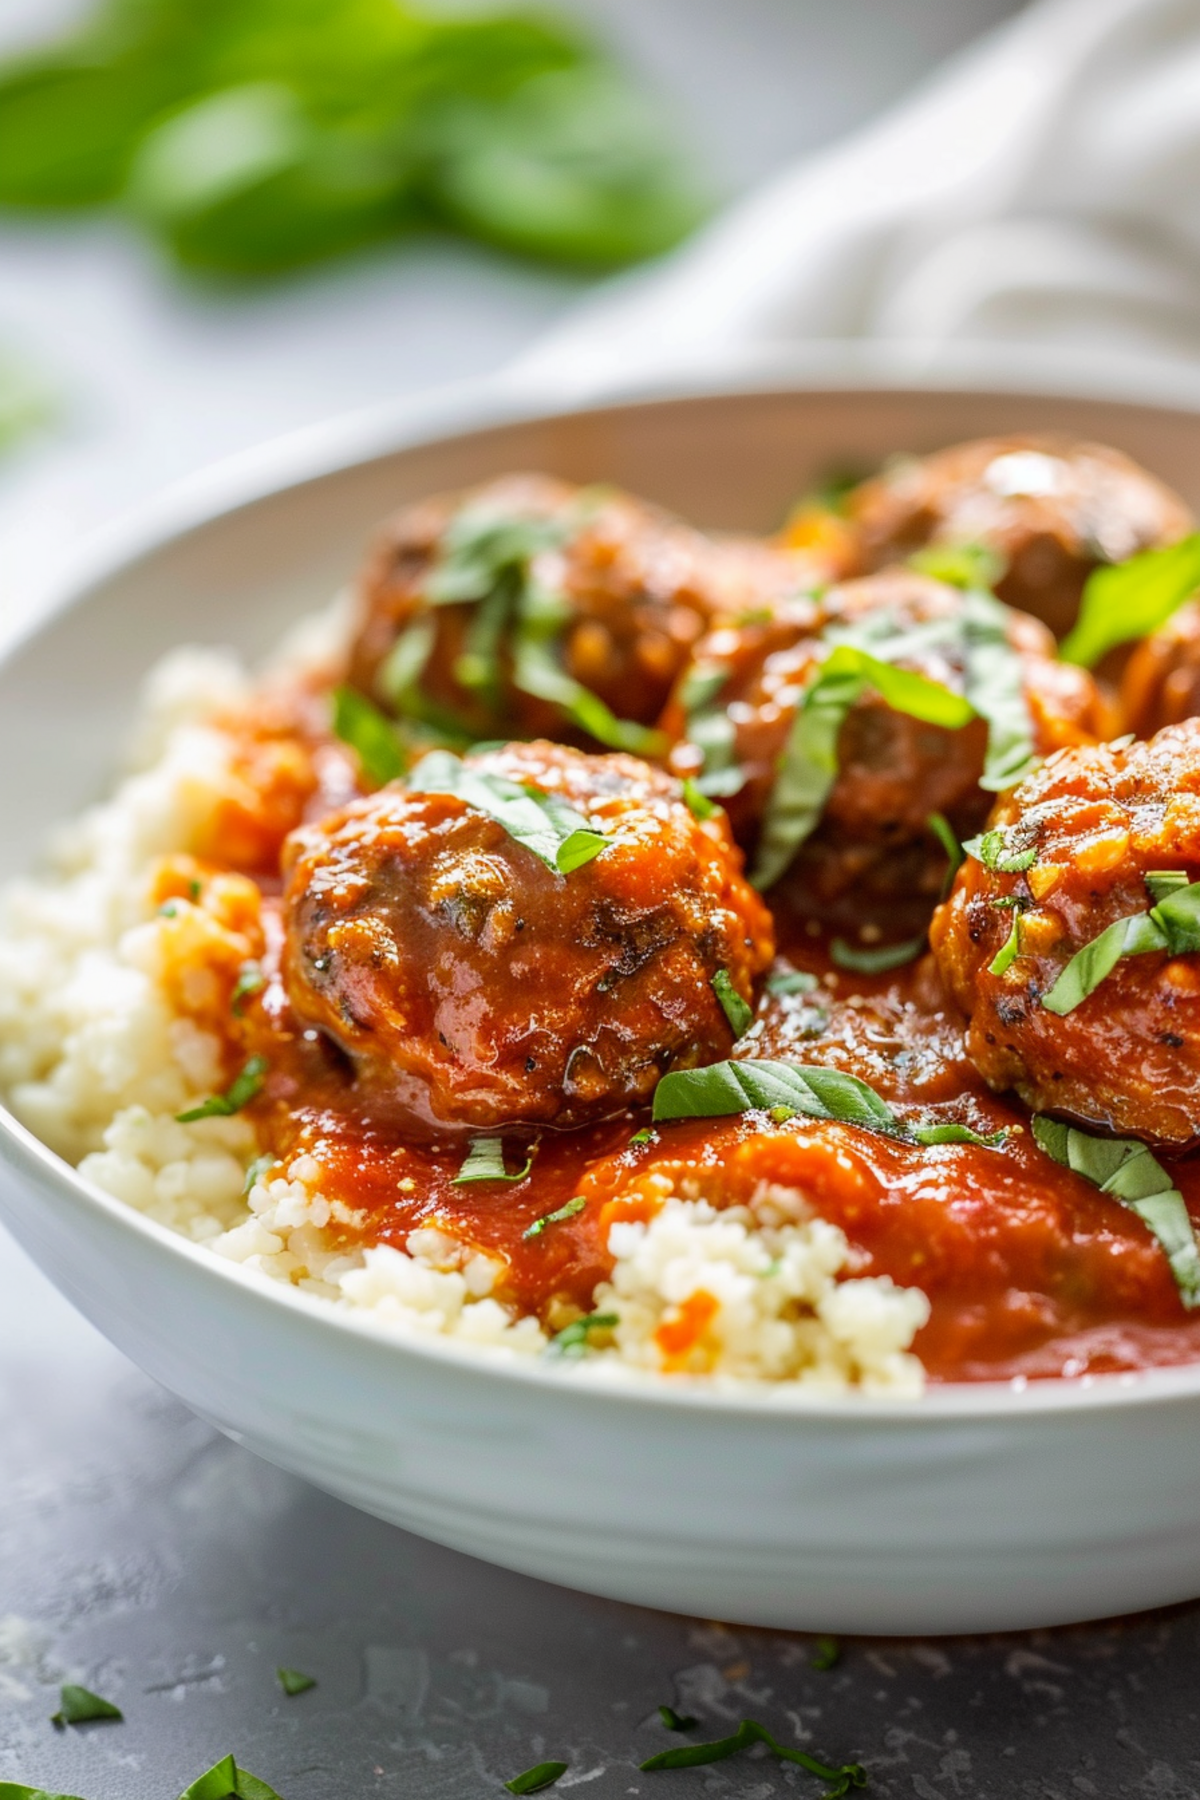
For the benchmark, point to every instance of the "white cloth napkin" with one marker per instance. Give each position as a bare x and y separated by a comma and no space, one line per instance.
1042,189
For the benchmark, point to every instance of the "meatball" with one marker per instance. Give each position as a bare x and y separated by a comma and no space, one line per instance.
1161,684
475,985
1097,820
873,849
487,612
1052,509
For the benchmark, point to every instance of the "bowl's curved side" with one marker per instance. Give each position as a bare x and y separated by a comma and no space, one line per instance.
923,1519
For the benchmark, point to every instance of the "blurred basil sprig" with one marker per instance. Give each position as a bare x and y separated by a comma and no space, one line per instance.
253,136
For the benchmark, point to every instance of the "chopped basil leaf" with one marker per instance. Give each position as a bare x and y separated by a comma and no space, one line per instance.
644,1136
676,1721
865,960
564,1212
779,1115
542,1775
827,1653
710,729
791,981
996,852
239,1093
960,565
404,664
691,1756
79,1707
995,686
1009,950
16,1790
537,671
370,734
946,836
544,823
295,1681
226,1781
257,1168
724,1088
954,1133
1125,1169
485,1162
573,1339
739,1012
701,685
698,803
250,980
1171,925
1132,599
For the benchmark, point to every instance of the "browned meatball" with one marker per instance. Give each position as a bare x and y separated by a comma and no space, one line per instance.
1098,820
1161,684
1053,509
476,985
527,585
873,850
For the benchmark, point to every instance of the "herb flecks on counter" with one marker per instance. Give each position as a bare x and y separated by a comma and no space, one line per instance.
676,1721
542,1775
295,1681
226,1780
79,1706
1125,1169
842,1778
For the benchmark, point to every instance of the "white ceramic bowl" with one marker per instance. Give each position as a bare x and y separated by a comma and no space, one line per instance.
974,1508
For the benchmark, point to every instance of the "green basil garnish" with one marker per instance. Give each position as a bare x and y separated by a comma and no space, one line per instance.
545,823
1009,950
542,1775
791,981
972,566
739,1012
644,1136
946,836
692,1756
484,1161
77,1706
698,802
564,1212
250,980
370,734
1171,925
1132,599
954,1133
239,1093
294,1681
878,959
994,684
826,1655
676,1721
227,1781
17,1790
996,850
573,1339
1125,1169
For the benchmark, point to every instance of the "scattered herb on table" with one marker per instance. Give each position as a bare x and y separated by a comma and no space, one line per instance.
78,1706
1124,1169
484,1161
240,1092
1170,925
295,1681
691,1756
676,1721
1127,600
827,1653
542,1775
226,1780
564,1212
739,1012
546,824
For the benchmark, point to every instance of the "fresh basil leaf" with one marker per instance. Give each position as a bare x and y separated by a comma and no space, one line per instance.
676,1721
1132,599
1125,1169
865,960
537,671
791,981
1171,925
827,1653
294,1681
697,802
544,823
78,1706
692,1756
960,565
484,1161
404,664
239,1093
574,1339
369,734
725,1088
739,1012
250,981
994,850
226,1781
994,683
954,1133
1009,950
564,1212
701,685
946,836
542,1775
16,1790
644,1136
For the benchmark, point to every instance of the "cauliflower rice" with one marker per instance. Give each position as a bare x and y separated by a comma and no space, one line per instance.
97,1060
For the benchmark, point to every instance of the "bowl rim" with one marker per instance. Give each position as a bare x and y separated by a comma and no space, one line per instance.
463,410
